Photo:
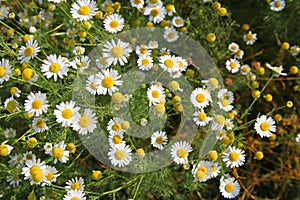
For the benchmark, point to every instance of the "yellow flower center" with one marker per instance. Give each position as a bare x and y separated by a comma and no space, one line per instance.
40,123
229,187
67,113
234,156
28,157
11,106
114,24
200,175
84,121
169,63
155,93
182,153
37,176
295,50
170,7
27,74
2,71
239,53
117,52
28,51
37,104
137,1
213,82
202,116
249,36
220,119
160,109
57,152
225,102
75,186
102,60
94,85
72,32
117,139
145,61
84,10
154,12
108,82
171,35
54,67
246,69
143,50
233,65
153,1
265,126
120,154
234,47
3,150
277,4
13,90
178,21
50,176
203,169
34,169
200,98
159,140
75,198
116,127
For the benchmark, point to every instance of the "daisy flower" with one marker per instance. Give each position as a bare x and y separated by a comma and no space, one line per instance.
156,13
229,124
34,171
15,92
39,124
82,62
168,63
180,151
154,3
84,10
201,171
48,148
278,70
177,21
65,113
51,174
214,169
225,94
295,50
115,139
59,153
11,105
85,123
115,126
141,50
170,34
14,179
233,65
218,123
29,51
153,44
56,1
245,69
120,155
74,194
137,3
155,94
229,187
4,10
200,98
239,54
221,135
159,139
9,133
265,126
116,52
101,62
55,66
225,105
234,157
79,50
211,83
29,155
200,118
5,70
170,9
36,103
72,32
75,184
250,38
109,81
29,75
93,84
233,47
5,149
145,62
277,5
114,23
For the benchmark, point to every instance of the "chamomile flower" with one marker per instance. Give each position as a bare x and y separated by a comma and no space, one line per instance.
9,133
233,65
14,179
75,184
120,155
39,124
141,50
5,149
29,51
84,10
168,63
177,21
277,5
116,52
265,126
85,123
156,13
102,63
5,70
51,174
218,123
29,75
154,3
82,62
4,10
201,118
114,23
200,98
48,148
137,3
36,103
229,124
159,139
79,50
170,9
226,95
155,94
180,151
277,70
239,54
56,1
245,69
109,81
115,126
234,157
93,84
145,62
229,187
201,171
15,92
115,138
225,105
214,169
170,34
211,83
298,138
250,38
72,32
66,112
153,44
29,155
17,160
59,153
75,194
34,171
233,47
11,105
55,66
295,50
